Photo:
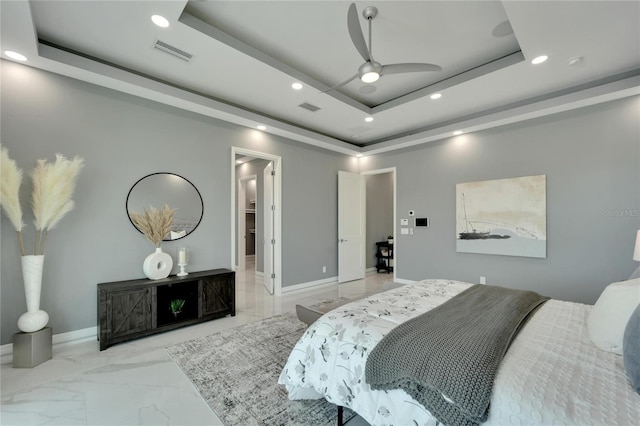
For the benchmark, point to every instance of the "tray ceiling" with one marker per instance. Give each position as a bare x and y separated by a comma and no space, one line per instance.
244,56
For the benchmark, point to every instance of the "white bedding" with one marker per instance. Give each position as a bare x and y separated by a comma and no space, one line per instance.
551,374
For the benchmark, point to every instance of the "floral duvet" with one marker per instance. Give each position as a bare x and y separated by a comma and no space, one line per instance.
551,373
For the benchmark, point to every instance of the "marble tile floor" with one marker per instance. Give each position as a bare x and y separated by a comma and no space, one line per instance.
136,383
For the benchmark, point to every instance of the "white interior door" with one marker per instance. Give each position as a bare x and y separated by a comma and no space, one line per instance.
268,227
351,226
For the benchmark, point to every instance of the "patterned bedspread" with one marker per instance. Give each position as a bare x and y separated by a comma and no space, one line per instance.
552,373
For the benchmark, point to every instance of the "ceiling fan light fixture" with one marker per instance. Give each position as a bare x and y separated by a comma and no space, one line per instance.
370,77
370,71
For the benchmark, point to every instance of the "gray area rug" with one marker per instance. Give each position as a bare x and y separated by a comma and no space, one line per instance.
236,371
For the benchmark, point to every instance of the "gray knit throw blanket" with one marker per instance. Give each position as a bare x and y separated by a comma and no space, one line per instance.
448,357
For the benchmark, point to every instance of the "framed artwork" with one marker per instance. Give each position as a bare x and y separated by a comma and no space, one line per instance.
505,217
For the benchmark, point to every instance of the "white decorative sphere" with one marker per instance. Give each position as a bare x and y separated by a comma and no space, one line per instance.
33,321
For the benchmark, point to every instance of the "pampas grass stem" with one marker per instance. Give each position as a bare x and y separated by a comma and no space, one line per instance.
20,242
10,181
44,241
153,223
53,186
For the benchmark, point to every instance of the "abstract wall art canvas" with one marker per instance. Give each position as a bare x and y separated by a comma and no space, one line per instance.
505,217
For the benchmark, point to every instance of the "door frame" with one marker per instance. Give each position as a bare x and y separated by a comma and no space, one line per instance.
242,220
277,196
391,170
268,227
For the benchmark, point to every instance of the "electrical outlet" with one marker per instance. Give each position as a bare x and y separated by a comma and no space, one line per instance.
324,269
483,280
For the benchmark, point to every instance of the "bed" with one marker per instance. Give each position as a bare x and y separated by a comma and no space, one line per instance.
551,374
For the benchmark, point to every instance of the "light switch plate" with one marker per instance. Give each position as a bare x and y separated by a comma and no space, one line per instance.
404,231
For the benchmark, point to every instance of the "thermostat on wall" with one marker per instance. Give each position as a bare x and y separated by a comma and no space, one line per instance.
422,221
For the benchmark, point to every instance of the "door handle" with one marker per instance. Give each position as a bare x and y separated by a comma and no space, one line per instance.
342,241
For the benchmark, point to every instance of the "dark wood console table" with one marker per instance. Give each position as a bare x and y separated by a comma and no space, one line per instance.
137,308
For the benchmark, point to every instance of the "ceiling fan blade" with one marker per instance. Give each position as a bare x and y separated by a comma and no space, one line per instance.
355,31
340,84
402,68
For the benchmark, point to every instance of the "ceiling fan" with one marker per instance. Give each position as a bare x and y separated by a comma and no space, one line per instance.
371,70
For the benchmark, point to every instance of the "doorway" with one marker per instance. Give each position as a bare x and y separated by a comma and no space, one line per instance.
247,222
264,209
380,220
356,240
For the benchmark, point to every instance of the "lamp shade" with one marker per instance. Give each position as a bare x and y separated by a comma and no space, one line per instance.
636,251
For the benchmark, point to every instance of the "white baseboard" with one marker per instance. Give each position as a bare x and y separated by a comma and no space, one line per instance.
59,341
315,284
402,281
372,269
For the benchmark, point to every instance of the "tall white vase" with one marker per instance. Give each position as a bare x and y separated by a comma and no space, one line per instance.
157,265
34,319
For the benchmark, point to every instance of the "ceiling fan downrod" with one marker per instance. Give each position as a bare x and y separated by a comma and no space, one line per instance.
369,13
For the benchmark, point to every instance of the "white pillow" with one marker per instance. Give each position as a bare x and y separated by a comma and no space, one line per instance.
611,313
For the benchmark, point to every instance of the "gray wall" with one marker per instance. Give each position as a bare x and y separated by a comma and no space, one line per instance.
123,138
379,212
591,158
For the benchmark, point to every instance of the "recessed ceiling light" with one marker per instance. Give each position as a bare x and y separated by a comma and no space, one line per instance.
261,127
368,119
359,155
436,96
160,21
15,55
539,59
296,86
457,132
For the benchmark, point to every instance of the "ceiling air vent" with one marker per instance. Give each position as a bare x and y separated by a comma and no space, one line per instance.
309,106
172,50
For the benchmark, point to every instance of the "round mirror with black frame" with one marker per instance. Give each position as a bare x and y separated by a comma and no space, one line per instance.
158,189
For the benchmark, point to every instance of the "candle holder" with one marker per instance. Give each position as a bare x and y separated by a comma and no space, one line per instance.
182,261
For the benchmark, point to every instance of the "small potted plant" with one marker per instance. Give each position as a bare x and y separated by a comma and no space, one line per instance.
390,239
176,306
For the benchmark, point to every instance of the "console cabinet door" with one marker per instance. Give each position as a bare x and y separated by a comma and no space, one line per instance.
128,312
218,294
